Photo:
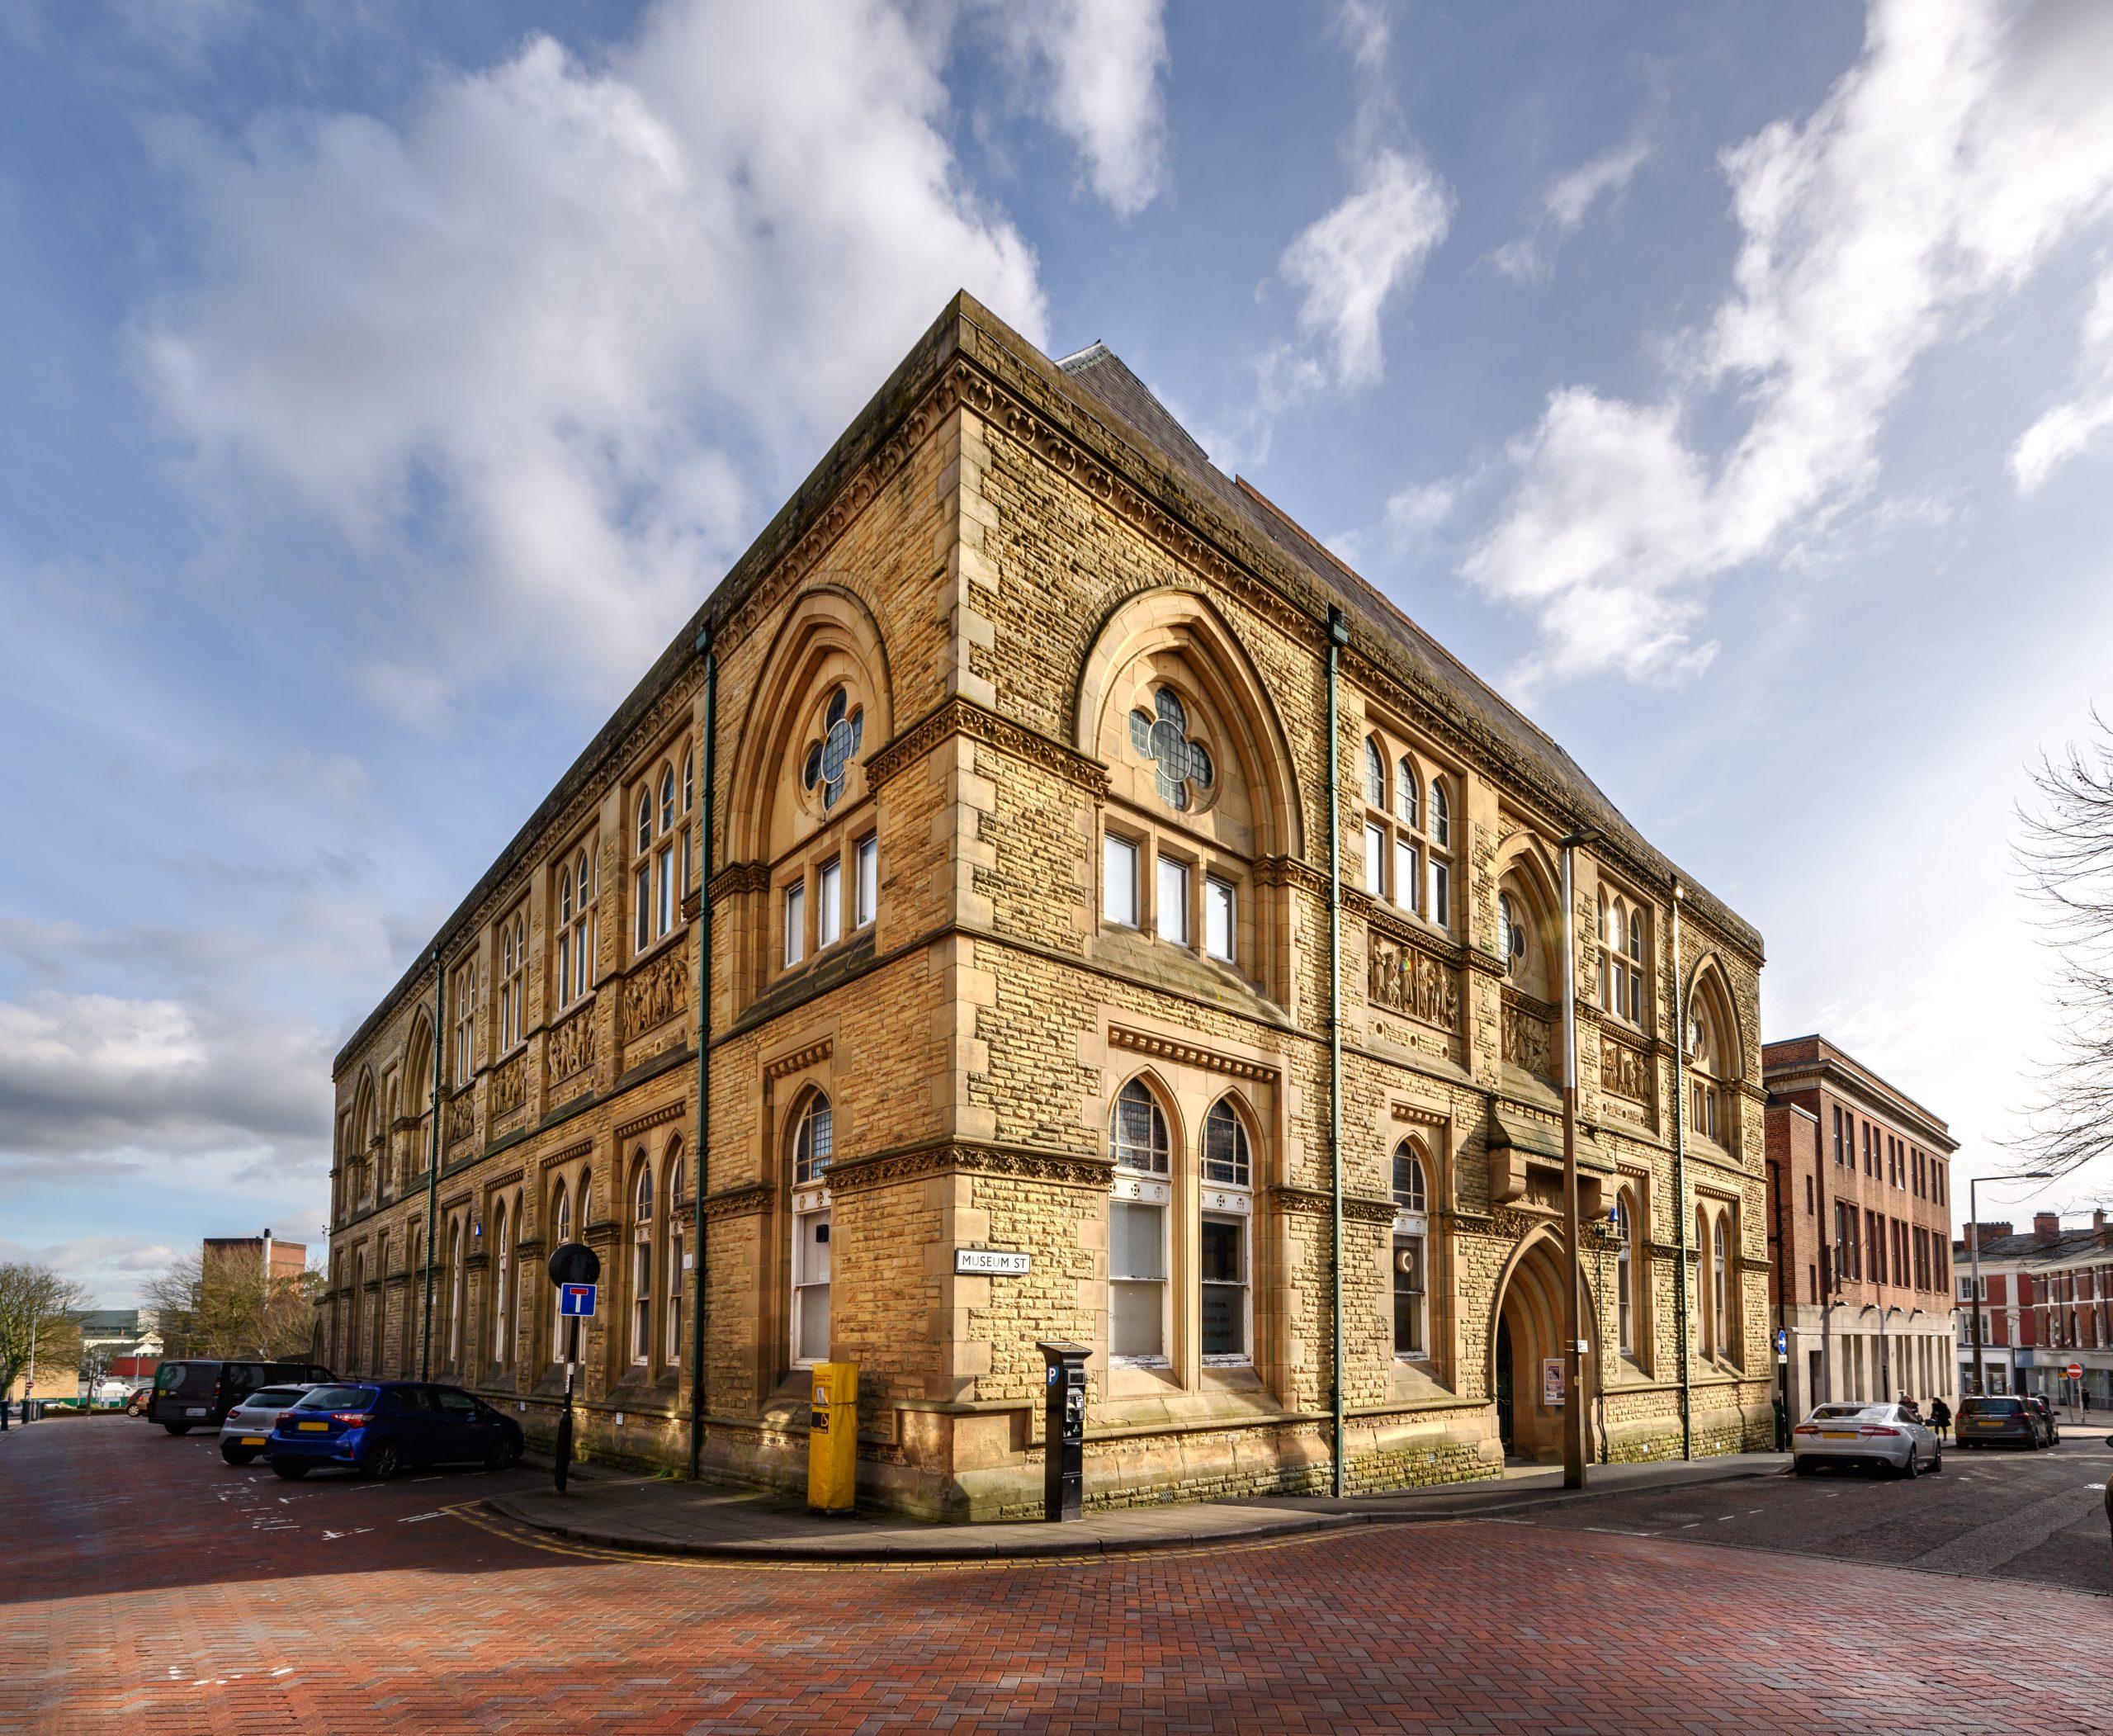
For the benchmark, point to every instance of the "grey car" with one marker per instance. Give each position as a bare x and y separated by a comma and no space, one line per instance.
1878,1435
250,1423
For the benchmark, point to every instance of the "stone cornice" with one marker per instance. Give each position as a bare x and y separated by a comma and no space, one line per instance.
1186,1053
1290,870
1381,918
799,1060
745,1201
1318,1203
579,1149
968,1157
737,877
962,717
652,1119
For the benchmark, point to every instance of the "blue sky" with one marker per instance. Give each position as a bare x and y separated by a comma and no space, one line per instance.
380,384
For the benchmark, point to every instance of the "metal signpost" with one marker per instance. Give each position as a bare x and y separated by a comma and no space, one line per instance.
574,1268
2075,1372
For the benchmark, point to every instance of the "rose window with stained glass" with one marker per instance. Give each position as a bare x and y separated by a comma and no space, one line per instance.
1181,767
828,759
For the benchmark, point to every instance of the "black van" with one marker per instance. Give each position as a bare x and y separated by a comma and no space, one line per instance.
198,1395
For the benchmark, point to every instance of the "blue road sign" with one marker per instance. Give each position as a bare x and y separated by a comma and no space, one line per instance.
576,1298
1782,1341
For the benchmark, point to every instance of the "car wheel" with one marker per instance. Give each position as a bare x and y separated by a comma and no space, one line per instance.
504,1456
292,1469
238,1455
1911,1466
177,1428
385,1459
1936,1459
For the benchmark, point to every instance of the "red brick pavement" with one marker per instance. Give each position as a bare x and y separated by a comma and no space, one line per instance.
146,1585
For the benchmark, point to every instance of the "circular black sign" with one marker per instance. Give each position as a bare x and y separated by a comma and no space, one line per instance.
574,1262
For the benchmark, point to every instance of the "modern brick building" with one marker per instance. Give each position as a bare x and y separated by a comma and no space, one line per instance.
276,1258
2047,1303
1860,1222
1017,881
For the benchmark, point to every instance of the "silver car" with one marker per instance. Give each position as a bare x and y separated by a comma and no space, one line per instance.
250,1423
1866,1434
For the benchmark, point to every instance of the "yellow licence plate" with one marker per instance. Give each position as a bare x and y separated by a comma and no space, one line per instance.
253,1441
1824,1433
316,1427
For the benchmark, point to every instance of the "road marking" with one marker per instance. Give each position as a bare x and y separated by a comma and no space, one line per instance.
413,1518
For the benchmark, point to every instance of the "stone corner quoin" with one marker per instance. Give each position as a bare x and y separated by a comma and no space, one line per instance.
1018,900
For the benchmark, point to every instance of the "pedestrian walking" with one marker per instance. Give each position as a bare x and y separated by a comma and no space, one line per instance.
1940,1416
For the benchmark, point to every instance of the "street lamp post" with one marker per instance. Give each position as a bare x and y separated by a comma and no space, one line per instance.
1974,1253
1573,1348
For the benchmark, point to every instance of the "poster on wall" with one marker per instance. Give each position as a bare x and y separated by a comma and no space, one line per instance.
1552,1382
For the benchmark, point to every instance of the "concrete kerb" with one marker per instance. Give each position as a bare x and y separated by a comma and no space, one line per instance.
961,1543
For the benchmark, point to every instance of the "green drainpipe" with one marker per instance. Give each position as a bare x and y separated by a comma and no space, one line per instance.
1679,1185
700,1158
1339,634
432,1157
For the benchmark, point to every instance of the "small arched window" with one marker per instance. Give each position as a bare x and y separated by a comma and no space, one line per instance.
641,1198
667,797
502,1293
1405,793
575,927
1137,1130
689,779
1226,1157
1375,775
641,1262
673,1285
645,822
1441,815
1635,967
814,1140
1412,1192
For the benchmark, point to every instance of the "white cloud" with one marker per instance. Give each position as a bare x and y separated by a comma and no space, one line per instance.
1098,65
526,350
2070,428
1966,146
1351,262
1567,202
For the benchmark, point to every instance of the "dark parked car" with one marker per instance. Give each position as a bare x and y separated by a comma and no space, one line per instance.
2050,1428
1998,1419
377,1427
197,1394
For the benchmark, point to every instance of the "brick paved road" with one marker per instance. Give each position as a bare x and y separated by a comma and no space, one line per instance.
148,1587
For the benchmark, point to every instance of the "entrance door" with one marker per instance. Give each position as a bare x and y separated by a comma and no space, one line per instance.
1505,1432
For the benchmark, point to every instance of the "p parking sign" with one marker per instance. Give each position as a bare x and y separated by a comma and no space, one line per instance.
577,1299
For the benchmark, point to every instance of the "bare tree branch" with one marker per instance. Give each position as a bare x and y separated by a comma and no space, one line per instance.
40,1311
225,1306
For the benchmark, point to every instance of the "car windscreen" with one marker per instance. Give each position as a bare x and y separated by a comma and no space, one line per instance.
1990,1407
173,1377
338,1399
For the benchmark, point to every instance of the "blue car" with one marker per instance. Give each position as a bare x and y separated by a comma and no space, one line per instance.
378,1427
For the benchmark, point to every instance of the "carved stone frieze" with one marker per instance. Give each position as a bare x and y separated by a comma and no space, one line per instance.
1411,982
1529,1034
509,1085
1318,1203
1058,1168
1187,1054
655,992
737,877
461,1116
1624,1072
739,1202
652,1119
808,1055
569,1048
1290,870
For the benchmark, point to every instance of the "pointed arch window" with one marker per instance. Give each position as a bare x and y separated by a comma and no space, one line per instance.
655,896
465,1024
673,1284
512,980
1137,1130
1706,1071
578,882
1408,857
1137,1228
1705,1249
1410,1252
502,1286
1510,936
1721,1273
1625,1270
1407,807
1226,1157
641,1261
1375,775
1161,735
1225,1253
813,1141
561,1234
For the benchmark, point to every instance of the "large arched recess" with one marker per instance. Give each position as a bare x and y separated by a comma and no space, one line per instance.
828,634
1529,1312
1523,867
1709,984
1178,625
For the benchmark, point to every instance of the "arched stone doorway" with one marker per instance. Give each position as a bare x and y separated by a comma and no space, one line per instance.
1528,1331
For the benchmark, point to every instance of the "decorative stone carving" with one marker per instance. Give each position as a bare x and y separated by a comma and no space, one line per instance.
1189,1054
1624,1071
509,1085
960,716
462,1117
569,1048
1410,982
656,992
1528,1042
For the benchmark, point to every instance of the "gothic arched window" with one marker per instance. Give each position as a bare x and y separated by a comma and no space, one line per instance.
1225,1157
1137,1130
814,1140
1161,735
829,756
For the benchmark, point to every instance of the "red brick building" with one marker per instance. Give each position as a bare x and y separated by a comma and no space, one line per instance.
1859,1231
278,1259
2047,1302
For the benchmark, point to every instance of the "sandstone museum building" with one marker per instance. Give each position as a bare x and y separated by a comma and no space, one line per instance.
980,821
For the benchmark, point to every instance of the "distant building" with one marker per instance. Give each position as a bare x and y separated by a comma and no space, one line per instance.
1859,1223
2047,1301
110,1334
276,1258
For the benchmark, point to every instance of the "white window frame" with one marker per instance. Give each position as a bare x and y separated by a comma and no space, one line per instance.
829,903
1171,880
1228,1206
811,1217
867,888
793,903
1408,870
1118,880
1221,917
641,1267
1375,858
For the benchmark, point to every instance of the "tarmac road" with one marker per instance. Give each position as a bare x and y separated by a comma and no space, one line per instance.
1993,1513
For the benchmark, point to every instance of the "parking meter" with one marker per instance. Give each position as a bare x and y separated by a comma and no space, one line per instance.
1063,1430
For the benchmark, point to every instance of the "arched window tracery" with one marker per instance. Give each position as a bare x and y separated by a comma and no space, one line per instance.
579,881
813,1139
1226,1158
641,1259
1626,1269
1137,1252
656,897
1181,766
1409,1261
1137,1130
673,1284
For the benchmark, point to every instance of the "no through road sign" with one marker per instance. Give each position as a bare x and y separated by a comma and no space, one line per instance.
576,1298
